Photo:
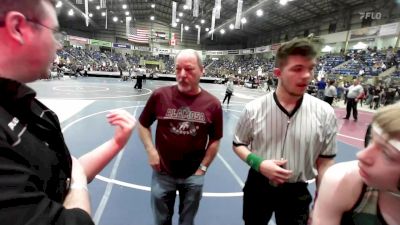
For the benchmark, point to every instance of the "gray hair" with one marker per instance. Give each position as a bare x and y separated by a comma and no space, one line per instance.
192,52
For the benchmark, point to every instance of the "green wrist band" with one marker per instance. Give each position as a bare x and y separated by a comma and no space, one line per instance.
254,161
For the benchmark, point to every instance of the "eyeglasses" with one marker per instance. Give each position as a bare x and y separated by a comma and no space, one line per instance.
58,35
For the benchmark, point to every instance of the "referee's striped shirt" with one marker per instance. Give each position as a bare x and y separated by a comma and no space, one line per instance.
301,137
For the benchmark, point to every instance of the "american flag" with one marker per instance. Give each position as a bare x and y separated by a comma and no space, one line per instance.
138,35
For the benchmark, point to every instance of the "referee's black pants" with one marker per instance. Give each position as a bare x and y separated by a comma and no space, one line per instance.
351,105
289,201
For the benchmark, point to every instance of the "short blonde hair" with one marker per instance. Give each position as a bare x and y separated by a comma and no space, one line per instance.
388,119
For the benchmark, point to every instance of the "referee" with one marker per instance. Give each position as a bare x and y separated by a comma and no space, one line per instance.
287,137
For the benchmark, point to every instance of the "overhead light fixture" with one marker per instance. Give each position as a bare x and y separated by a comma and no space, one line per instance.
186,28
202,21
231,26
283,2
197,26
153,6
243,20
126,13
71,12
222,31
178,20
90,14
103,14
115,19
174,24
59,4
180,14
151,17
259,12
124,6
207,29
98,7
185,7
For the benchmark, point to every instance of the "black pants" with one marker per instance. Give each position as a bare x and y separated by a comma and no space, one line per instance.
351,104
228,96
329,100
289,201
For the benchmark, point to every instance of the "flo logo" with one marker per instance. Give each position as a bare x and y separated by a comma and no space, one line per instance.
370,15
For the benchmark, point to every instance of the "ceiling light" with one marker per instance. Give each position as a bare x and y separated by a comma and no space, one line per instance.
115,19
222,31
180,14
283,2
126,13
71,12
197,26
153,6
98,7
185,7
174,24
207,29
90,14
124,6
259,12
243,20
231,26
178,20
151,17
202,21
186,28
103,14
59,4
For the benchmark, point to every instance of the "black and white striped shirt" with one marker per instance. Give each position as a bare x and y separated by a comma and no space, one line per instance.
301,137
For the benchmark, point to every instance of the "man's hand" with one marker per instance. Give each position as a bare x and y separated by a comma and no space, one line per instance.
273,170
154,159
124,122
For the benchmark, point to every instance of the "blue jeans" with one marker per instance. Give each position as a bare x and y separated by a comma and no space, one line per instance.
163,194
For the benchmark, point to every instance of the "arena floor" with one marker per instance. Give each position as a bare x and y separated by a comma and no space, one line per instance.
120,193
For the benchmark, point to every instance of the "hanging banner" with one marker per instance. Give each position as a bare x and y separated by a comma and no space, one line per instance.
238,14
196,4
117,45
103,4
389,29
87,12
78,40
363,33
212,24
100,43
181,31
173,13
189,4
217,9
198,34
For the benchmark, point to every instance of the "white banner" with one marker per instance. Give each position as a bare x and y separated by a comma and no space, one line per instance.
181,31
173,13
196,4
87,12
262,49
238,14
189,4
198,34
212,24
103,4
389,29
218,9
215,53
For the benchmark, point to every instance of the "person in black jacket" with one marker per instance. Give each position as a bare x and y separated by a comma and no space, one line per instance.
40,182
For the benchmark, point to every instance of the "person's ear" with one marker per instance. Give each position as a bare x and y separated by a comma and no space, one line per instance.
16,26
277,72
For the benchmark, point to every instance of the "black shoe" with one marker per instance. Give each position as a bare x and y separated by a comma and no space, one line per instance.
345,118
355,120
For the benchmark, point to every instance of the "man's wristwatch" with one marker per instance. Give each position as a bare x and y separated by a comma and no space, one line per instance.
203,168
